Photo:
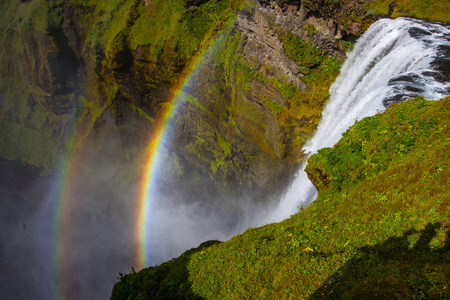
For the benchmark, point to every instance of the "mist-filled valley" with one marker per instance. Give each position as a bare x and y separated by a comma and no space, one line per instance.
133,131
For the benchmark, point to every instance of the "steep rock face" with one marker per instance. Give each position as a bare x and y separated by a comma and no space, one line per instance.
39,81
261,99
286,47
104,63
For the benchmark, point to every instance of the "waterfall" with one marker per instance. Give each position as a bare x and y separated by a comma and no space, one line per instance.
395,60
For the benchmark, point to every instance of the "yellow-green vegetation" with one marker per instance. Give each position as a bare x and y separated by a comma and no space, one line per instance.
175,288
153,25
210,136
33,120
131,53
303,52
150,43
437,11
196,24
305,106
380,228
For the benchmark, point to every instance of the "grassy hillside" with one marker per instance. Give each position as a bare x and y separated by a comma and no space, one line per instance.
436,11
380,228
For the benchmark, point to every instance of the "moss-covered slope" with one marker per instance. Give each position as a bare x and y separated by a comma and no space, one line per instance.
436,11
380,228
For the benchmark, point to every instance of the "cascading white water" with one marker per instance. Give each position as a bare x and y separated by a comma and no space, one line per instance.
395,60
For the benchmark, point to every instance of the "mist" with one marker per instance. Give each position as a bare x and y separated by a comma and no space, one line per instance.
81,255
25,234
181,223
69,235
95,239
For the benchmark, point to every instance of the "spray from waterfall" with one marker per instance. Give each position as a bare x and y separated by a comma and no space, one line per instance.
395,60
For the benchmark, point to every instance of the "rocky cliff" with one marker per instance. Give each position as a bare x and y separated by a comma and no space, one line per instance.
100,74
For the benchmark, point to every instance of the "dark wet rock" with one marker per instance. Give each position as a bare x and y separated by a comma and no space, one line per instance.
247,13
414,89
2,100
120,57
195,2
441,64
319,178
64,60
437,76
31,102
416,32
396,99
392,6
405,78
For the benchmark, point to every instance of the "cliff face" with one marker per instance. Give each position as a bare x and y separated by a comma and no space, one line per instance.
38,83
105,72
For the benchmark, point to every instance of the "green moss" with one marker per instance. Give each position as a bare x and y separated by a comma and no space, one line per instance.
166,33
31,130
34,147
311,30
286,89
167,282
379,227
220,156
194,101
426,10
274,107
303,52
151,29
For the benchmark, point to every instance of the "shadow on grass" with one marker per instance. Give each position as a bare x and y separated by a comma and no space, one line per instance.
167,281
395,269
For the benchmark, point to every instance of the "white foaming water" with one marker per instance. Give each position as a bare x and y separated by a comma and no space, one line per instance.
395,60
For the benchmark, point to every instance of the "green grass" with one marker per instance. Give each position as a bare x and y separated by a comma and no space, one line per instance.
151,29
437,11
170,278
379,229
197,24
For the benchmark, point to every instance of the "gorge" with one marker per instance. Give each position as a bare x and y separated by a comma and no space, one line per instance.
135,130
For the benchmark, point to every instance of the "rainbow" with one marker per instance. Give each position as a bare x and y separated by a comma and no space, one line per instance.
65,187
147,191
62,196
